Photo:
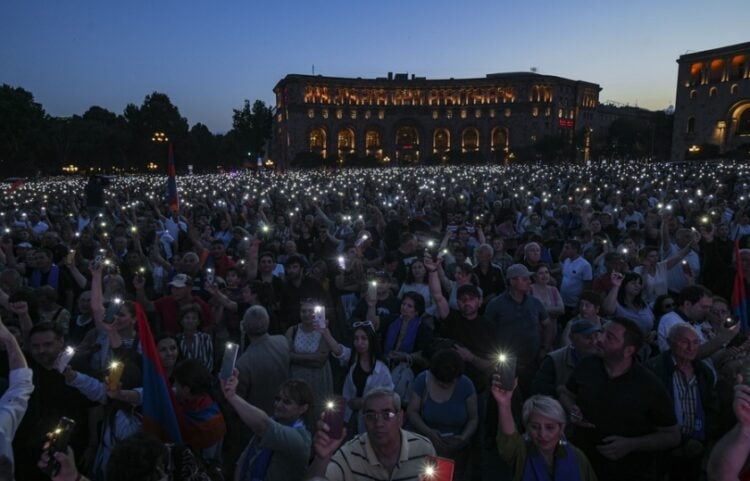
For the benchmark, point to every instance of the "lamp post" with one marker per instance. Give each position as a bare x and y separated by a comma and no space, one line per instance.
159,137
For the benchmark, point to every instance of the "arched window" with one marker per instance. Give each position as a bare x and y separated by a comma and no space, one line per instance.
373,145
691,125
441,141
717,71
743,125
318,141
499,139
737,70
345,143
407,144
712,91
693,94
470,140
733,89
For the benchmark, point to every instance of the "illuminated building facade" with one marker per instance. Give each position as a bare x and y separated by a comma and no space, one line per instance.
713,102
412,119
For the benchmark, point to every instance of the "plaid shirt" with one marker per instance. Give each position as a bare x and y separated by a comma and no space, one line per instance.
685,399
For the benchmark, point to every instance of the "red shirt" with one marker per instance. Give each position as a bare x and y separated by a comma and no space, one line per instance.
169,310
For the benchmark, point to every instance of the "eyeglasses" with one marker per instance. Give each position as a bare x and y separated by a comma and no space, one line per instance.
363,324
386,416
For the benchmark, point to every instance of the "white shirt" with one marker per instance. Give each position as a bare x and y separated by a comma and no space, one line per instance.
665,324
575,273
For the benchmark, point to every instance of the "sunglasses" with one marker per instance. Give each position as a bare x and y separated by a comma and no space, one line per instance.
357,324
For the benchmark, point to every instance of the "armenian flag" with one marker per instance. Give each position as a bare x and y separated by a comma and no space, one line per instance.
739,293
160,408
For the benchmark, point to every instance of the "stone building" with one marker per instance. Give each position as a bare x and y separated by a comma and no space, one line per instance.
409,119
713,102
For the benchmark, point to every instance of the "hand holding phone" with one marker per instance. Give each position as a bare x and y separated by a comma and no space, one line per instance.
59,439
229,360
333,416
319,317
506,368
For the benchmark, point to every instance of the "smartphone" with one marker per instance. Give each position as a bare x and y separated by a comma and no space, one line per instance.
433,249
115,374
319,316
438,469
361,241
342,262
229,360
71,256
112,309
59,439
97,262
210,278
333,416
731,321
686,267
372,289
64,358
506,367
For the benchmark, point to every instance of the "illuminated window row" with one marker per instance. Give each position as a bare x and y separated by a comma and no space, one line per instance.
718,70
407,138
411,96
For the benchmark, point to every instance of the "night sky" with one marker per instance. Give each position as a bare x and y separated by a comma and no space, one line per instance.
209,56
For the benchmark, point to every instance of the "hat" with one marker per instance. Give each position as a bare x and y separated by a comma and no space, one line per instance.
25,245
583,326
517,270
181,280
469,289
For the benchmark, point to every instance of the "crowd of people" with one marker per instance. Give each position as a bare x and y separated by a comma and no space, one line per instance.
527,322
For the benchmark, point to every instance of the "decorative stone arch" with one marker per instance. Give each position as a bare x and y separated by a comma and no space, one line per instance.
346,142
441,140
470,139
374,141
317,140
739,115
499,142
408,139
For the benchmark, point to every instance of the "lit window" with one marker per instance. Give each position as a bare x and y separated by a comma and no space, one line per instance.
507,112
478,113
533,138
325,113
560,113
448,114
713,91
434,114
311,113
535,111
279,117
339,114
693,94
733,89
547,112
492,113
381,114
463,113
368,114
353,114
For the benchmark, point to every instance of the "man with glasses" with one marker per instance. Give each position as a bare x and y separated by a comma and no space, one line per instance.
384,452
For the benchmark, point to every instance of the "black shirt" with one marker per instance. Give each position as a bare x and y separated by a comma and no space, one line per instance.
476,335
631,405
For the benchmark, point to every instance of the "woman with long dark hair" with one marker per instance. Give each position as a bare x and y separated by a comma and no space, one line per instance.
367,370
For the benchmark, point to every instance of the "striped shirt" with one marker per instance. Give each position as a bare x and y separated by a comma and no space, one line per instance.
686,399
356,460
202,348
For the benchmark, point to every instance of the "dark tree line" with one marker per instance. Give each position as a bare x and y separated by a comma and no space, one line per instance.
33,142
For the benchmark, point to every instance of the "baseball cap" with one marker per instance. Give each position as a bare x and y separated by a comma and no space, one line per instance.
583,326
517,270
181,280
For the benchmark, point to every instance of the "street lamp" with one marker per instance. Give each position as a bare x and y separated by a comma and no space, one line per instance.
152,166
159,137
70,169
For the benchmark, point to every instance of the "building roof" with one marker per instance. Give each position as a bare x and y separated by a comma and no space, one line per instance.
728,49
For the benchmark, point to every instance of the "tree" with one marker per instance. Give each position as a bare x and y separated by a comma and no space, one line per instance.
203,148
23,124
156,114
251,128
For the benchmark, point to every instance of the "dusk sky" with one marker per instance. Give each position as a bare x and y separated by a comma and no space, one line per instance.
210,56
